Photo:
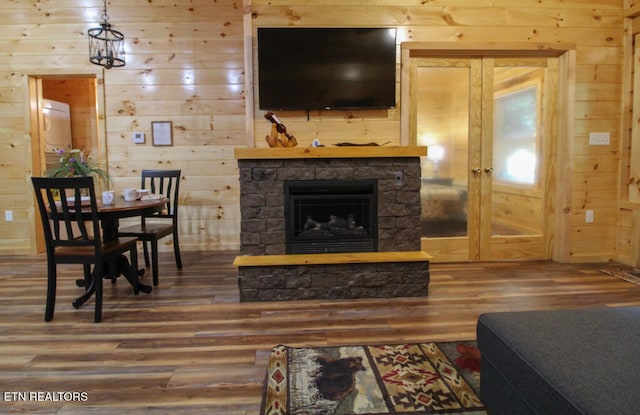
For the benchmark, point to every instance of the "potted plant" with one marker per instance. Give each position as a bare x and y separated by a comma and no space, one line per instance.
74,163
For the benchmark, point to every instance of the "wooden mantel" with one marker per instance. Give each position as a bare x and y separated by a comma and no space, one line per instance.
337,258
329,152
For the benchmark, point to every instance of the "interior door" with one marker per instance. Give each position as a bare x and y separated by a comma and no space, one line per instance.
489,131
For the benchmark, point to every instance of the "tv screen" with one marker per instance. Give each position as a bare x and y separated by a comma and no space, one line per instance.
326,68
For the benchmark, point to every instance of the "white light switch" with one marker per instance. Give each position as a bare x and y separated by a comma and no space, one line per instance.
138,138
599,139
8,215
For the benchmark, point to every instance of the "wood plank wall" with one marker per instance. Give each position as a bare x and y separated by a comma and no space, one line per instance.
628,220
185,63
596,27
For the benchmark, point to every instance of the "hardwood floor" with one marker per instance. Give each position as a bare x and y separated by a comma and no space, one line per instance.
190,347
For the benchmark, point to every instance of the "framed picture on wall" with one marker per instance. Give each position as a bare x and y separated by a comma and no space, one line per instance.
162,133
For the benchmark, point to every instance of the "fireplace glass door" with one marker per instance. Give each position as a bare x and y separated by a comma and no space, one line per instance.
330,216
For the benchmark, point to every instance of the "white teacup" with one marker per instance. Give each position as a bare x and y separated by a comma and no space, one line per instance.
108,197
130,194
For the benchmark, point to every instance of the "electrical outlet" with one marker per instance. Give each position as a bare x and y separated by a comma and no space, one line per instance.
8,215
588,216
399,178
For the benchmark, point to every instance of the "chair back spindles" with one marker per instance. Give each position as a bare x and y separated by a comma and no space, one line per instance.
65,223
166,183
150,230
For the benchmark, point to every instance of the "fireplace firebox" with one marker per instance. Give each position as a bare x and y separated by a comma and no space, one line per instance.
331,216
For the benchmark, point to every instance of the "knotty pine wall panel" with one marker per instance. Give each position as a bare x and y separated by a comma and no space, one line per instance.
628,238
187,67
596,28
185,64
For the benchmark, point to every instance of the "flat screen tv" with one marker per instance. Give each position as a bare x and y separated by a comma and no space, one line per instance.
326,68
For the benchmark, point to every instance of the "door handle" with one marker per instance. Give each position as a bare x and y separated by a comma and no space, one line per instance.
476,170
488,170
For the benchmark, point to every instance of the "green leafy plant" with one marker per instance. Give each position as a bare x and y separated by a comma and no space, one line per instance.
74,163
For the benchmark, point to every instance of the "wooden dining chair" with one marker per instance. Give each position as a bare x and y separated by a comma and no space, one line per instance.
72,236
162,223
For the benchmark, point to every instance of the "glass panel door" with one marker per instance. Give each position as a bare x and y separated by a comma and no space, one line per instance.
517,202
484,187
443,126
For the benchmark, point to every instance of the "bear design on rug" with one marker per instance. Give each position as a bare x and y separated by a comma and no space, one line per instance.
336,378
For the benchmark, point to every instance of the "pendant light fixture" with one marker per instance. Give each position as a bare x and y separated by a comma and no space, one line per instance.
106,46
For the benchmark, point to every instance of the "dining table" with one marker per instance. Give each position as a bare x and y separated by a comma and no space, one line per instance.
110,216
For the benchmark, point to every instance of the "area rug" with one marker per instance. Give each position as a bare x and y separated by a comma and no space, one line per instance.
409,379
626,273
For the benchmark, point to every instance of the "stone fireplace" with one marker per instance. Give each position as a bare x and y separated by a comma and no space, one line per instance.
330,223
262,196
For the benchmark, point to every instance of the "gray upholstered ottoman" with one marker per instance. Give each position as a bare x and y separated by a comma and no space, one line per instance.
561,362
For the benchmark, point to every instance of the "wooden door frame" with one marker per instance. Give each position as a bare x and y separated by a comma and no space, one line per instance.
35,127
558,245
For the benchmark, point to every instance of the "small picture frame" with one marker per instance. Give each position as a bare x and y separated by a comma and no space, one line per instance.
162,133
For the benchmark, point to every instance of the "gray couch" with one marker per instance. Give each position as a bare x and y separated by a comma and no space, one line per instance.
561,362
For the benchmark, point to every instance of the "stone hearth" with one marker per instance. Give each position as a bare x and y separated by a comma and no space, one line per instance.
262,204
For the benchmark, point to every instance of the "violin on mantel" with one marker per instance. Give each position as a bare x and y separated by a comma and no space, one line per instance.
279,136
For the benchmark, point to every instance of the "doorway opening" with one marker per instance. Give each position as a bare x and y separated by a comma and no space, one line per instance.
64,115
